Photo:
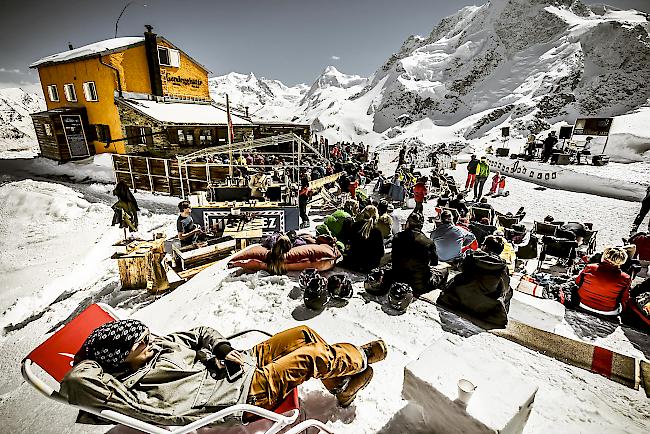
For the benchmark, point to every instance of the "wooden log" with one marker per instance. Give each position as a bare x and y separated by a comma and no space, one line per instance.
142,268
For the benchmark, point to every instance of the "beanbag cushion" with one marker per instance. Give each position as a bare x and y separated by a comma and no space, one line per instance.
320,256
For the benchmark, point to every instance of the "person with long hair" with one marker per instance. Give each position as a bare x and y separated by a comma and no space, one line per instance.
366,242
275,258
126,208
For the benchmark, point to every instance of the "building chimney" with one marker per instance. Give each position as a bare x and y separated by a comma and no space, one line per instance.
70,47
151,50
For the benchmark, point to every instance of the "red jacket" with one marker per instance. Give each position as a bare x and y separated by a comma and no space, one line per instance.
603,286
419,191
352,188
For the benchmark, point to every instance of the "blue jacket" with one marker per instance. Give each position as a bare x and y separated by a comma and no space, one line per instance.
449,241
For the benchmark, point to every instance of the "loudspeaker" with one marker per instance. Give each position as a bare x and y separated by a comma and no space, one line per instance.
502,152
565,132
505,131
560,159
600,160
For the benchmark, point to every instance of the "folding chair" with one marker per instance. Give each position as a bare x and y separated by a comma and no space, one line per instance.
589,240
477,213
481,231
507,221
544,229
559,248
55,357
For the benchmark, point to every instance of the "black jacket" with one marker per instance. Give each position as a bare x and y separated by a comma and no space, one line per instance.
482,288
413,256
471,166
363,254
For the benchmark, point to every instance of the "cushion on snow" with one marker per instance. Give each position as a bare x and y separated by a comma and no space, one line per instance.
320,256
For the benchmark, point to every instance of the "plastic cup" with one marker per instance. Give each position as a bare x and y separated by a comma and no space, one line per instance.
465,390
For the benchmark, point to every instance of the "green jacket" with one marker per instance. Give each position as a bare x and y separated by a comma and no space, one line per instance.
335,222
482,170
173,388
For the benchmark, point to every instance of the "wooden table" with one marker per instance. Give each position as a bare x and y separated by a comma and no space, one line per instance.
190,254
243,231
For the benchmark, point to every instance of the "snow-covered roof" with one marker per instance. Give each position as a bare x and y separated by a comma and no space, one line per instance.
90,49
184,113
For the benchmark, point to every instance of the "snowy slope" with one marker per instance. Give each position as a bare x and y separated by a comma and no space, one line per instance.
529,60
265,98
17,135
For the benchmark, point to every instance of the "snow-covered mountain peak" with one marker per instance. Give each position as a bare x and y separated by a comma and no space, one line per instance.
17,134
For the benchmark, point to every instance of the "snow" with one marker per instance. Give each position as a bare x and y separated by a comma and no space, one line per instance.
90,49
432,382
17,135
184,113
42,219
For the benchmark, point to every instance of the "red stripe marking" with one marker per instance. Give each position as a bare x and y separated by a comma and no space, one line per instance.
601,361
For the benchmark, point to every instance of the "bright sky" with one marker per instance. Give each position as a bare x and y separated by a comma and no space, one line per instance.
289,40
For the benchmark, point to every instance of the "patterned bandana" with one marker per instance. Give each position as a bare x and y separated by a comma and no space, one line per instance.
110,343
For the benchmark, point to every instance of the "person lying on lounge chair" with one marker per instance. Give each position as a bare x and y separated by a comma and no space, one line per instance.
181,377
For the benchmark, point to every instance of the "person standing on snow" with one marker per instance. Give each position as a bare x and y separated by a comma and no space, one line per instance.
482,173
471,172
645,207
303,199
549,144
419,194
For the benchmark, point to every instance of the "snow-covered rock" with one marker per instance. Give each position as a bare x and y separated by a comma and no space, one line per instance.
265,98
17,135
529,64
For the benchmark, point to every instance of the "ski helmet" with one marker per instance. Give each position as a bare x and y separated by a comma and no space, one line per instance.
306,275
340,286
316,295
374,283
400,296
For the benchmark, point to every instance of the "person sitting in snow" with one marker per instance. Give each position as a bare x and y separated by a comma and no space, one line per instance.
482,288
385,221
603,288
338,223
450,239
502,186
414,257
178,378
366,243
458,203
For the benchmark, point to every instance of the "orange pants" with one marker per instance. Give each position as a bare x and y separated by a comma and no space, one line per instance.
292,357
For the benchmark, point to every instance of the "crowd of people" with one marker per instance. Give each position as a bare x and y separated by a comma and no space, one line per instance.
470,255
